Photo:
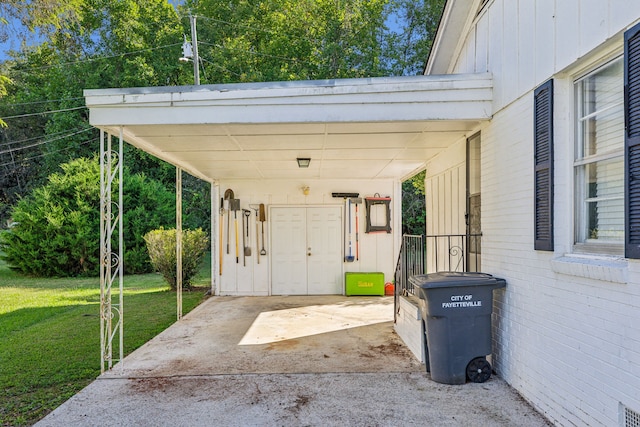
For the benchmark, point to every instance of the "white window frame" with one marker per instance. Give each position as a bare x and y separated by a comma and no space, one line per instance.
582,243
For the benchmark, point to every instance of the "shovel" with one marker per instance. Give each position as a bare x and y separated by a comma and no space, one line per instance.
356,201
228,195
350,257
263,218
256,209
246,242
234,205
220,235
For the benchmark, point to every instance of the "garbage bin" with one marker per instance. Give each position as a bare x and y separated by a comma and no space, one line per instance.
456,311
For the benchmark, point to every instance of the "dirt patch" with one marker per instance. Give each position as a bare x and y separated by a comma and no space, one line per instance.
283,345
391,349
301,401
150,385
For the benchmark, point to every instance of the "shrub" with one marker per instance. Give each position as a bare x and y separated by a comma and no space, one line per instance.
161,245
56,229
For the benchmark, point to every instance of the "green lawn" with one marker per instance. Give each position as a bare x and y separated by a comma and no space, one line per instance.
50,339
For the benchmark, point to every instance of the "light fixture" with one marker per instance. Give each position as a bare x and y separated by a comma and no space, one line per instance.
303,162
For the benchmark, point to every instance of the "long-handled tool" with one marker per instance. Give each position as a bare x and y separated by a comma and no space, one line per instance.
356,201
228,195
220,228
350,257
263,218
234,205
246,243
256,209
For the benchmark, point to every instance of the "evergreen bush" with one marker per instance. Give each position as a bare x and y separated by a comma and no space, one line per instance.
56,229
161,245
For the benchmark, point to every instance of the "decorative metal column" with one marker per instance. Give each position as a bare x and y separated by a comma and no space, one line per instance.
111,266
179,241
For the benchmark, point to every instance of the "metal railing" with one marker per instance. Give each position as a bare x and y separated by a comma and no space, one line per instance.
453,252
432,253
411,261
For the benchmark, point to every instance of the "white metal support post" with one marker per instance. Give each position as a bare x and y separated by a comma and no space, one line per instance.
179,241
111,262
215,236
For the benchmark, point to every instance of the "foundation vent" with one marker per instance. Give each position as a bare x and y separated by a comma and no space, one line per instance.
631,418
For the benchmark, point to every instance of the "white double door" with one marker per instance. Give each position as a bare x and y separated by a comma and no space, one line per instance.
306,250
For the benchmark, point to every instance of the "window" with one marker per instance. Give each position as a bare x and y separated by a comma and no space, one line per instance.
607,157
599,161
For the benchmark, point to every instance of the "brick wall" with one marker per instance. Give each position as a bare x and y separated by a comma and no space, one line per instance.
570,344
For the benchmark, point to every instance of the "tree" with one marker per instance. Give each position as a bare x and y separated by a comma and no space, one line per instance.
414,205
57,233
281,40
107,44
415,23
48,16
161,245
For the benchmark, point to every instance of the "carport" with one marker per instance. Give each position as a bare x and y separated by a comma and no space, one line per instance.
362,136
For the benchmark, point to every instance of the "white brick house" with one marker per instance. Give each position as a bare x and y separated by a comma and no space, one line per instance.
568,325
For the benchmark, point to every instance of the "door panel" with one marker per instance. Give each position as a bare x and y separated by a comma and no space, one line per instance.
324,236
306,251
288,247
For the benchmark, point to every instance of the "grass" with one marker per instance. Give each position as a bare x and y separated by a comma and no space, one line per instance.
50,334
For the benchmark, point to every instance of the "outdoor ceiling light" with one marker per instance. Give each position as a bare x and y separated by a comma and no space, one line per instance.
303,162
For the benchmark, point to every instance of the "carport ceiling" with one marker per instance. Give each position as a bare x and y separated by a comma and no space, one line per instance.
350,129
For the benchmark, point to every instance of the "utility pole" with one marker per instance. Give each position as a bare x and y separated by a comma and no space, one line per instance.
196,58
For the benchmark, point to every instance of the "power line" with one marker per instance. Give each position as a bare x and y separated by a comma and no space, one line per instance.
13,150
95,58
45,154
38,137
220,67
314,41
42,102
257,53
43,112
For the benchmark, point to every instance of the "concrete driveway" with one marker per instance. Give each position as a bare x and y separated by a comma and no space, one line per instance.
285,361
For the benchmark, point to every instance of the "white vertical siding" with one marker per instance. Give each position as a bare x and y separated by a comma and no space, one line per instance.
445,188
567,48
481,46
544,35
524,42
510,51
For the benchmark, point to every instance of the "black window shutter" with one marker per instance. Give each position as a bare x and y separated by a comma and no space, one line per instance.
543,166
632,141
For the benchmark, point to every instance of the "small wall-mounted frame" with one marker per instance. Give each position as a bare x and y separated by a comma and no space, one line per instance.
382,207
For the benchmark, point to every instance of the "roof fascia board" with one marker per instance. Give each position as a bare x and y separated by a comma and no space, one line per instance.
452,97
457,18
293,88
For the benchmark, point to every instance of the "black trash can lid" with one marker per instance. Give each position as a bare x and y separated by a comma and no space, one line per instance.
449,279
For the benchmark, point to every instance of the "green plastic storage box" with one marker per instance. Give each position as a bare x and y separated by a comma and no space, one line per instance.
364,284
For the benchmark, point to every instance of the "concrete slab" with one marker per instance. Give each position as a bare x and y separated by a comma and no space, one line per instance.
245,361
